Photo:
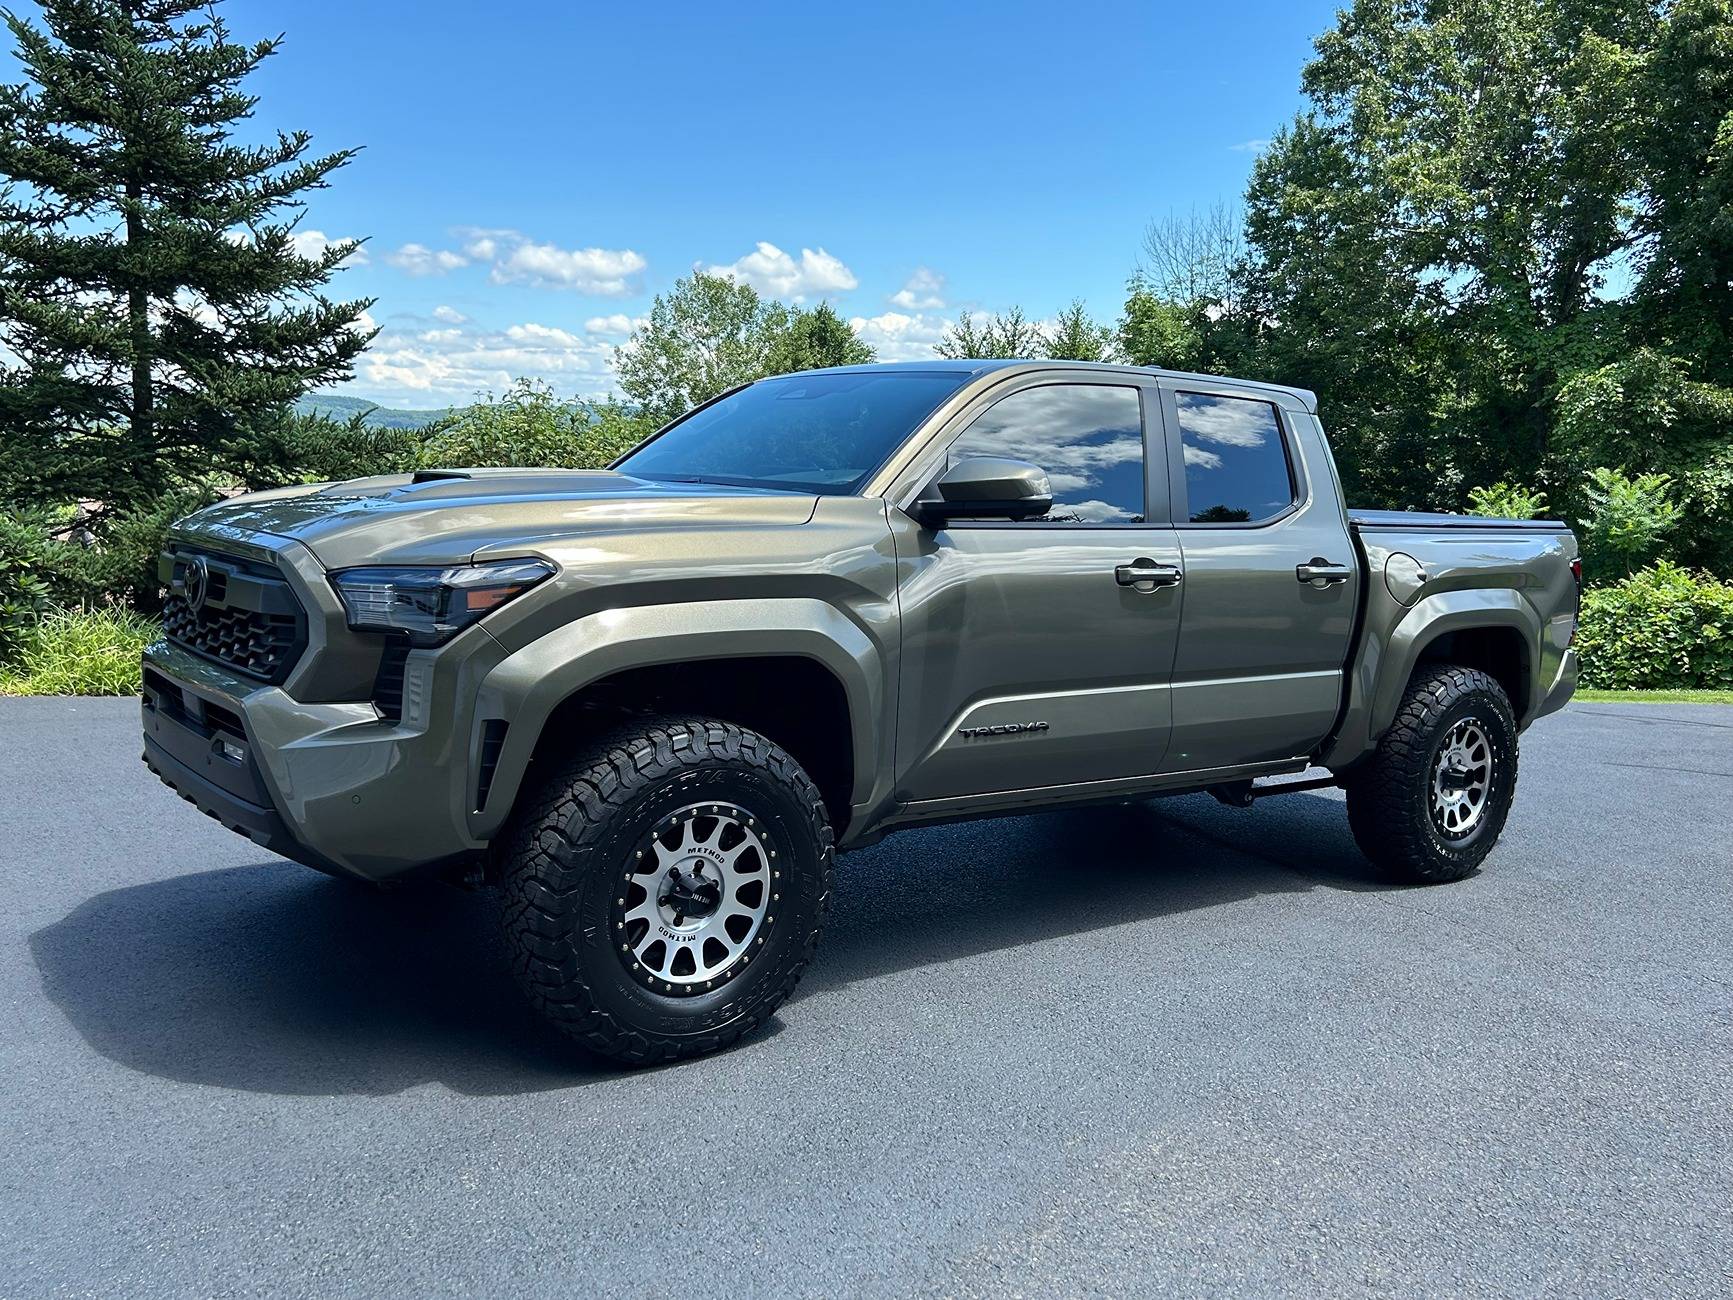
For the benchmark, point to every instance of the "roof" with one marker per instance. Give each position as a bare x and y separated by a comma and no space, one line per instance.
981,366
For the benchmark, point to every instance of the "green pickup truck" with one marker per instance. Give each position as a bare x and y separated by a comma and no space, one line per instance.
651,703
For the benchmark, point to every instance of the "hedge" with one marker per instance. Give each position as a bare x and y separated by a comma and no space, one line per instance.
1665,627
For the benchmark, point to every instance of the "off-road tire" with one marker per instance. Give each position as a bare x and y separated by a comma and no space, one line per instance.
560,862
1390,796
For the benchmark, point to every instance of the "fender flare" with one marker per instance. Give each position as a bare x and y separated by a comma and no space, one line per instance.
527,685
1380,678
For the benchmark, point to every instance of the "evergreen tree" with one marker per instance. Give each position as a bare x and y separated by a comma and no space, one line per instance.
153,301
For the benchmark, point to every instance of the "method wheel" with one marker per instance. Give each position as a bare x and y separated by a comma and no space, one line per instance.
665,890
1429,805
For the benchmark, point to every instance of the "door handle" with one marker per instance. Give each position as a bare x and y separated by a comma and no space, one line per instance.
1147,575
1322,573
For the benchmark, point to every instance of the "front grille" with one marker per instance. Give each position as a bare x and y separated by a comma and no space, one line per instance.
249,619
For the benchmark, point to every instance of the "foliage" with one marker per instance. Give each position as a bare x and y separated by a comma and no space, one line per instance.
1495,242
29,557
530,426
151,287
710,333
1662,628
1077,337
1506,501
1628,520
814,339
79,652
1009,334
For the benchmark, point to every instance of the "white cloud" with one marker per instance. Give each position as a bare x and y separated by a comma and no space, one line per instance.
450,315
515,258
1250,146
428,367
419,260
482,244
618,324
364,323
313,243
895,336
607,272
1229,422
924,291
771,271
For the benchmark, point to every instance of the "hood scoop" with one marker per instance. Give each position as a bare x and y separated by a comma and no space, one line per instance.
434,475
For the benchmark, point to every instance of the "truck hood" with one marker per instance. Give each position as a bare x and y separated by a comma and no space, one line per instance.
451,516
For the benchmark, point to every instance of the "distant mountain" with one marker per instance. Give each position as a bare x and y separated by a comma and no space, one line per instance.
338,407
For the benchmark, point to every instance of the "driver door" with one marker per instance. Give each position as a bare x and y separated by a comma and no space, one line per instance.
1031,657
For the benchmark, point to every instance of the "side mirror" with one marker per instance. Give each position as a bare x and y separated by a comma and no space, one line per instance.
985,487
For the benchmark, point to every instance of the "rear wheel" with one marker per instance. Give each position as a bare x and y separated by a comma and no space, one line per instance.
1430,804
665,890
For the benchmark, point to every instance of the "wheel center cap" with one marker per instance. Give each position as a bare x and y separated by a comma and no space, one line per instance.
690,894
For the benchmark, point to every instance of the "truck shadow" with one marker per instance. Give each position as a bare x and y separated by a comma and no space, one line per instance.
268,978
936,895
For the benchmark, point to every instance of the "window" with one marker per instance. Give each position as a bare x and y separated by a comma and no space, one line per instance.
1089,439
1236,464
819,433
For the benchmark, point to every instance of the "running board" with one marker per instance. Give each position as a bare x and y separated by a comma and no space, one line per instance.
1242,794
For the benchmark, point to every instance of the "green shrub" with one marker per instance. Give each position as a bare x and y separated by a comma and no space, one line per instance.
1506,501
529,426
1628,521
34,570
1663,628
119,563
79,652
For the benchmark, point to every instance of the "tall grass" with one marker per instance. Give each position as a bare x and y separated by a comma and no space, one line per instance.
78,652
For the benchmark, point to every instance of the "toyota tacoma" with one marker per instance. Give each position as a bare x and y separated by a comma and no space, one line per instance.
652,703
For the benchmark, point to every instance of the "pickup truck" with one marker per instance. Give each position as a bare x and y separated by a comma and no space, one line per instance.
651,703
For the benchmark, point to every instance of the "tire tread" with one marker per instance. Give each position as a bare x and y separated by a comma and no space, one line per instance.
545,858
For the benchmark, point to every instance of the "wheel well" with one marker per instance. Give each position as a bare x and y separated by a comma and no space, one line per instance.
1499,652
795,701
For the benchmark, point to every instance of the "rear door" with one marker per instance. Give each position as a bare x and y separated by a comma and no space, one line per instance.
1270,577
1033,654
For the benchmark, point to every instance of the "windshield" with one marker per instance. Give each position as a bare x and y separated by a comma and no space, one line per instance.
819,433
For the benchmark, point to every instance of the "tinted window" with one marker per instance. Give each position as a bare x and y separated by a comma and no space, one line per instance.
812,432
1236,466
1088,437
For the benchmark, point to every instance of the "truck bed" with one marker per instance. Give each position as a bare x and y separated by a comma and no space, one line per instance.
1409,520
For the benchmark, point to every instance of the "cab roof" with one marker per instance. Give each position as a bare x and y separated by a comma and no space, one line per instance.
980,366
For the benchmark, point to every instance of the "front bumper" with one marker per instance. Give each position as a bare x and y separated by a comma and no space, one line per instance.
195,761
332,785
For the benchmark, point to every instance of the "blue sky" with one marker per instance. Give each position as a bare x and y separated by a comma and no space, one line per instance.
534,173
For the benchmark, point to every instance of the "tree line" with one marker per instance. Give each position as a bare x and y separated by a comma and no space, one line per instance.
1497,240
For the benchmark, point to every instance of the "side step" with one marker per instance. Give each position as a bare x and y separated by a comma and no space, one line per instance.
1242,794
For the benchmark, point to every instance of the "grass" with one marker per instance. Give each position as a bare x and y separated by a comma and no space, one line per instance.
1655,697
78,652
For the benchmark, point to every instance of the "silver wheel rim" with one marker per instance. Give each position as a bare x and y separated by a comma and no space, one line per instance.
696,898
1462,779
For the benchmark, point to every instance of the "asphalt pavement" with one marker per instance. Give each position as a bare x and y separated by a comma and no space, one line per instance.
1171,1049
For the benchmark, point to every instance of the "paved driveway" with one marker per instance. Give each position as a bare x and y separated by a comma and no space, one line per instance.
1157,1050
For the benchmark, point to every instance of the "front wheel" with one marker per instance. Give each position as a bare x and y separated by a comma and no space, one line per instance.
1429,805
665,891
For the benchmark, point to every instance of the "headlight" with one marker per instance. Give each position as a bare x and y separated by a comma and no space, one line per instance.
432,605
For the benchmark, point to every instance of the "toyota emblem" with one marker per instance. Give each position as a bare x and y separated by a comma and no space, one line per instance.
196,582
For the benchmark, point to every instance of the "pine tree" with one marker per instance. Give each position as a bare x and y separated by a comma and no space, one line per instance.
154,305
